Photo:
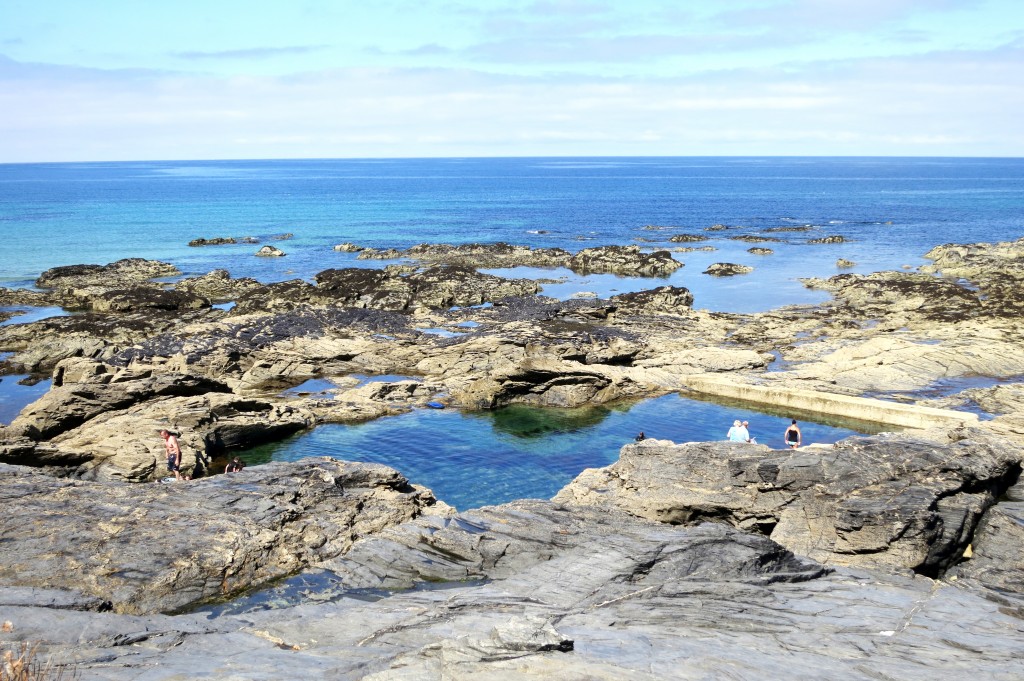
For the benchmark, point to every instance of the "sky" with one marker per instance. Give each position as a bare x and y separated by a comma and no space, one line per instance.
109,80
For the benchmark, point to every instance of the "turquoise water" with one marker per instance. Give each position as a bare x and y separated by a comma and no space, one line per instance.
483,458
892,210
101,212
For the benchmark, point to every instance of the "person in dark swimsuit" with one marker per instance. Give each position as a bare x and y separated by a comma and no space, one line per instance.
234,465
793,436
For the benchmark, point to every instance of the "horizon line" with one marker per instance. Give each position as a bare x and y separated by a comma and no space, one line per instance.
495,157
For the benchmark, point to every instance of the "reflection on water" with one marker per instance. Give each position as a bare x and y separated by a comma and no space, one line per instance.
480,458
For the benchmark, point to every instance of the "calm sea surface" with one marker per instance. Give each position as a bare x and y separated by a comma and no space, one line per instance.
890,210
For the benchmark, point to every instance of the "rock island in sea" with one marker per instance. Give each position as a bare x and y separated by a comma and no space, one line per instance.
896,555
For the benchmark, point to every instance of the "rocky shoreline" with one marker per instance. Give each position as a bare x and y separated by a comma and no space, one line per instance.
891,556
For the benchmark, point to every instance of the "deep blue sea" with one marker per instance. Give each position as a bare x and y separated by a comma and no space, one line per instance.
890,210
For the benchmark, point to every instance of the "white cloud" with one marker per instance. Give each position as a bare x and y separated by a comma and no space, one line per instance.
951,103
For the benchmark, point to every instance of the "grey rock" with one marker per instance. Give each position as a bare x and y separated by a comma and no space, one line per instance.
120,273
662,300
68,405
996,558
635,599
883,502
215,241
756,239
727,269
624,260
161,547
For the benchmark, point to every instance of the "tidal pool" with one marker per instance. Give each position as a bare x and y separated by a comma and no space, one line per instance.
31,314
14,396
473,459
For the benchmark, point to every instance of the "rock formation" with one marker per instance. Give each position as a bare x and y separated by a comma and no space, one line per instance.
215,241
727,269
674,562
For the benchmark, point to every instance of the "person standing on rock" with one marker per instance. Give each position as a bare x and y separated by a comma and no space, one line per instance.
173,453
793,436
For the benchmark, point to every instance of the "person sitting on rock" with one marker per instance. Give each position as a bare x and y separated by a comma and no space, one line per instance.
234,465
746,427
793,436
173,450
737,433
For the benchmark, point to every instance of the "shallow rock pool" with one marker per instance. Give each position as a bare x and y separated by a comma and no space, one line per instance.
482,458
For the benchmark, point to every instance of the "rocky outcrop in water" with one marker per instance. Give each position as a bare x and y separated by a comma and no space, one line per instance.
687,238
624,260
890,293
475,255
270,251
215,241
122,273
84,389
727,269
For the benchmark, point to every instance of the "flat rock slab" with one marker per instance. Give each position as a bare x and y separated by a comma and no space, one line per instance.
162,547
578,594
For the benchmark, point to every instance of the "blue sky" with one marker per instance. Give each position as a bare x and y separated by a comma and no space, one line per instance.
125,80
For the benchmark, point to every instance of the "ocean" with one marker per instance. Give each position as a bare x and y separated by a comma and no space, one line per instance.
890,211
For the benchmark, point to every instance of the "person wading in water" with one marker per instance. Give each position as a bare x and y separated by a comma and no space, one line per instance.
793,436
